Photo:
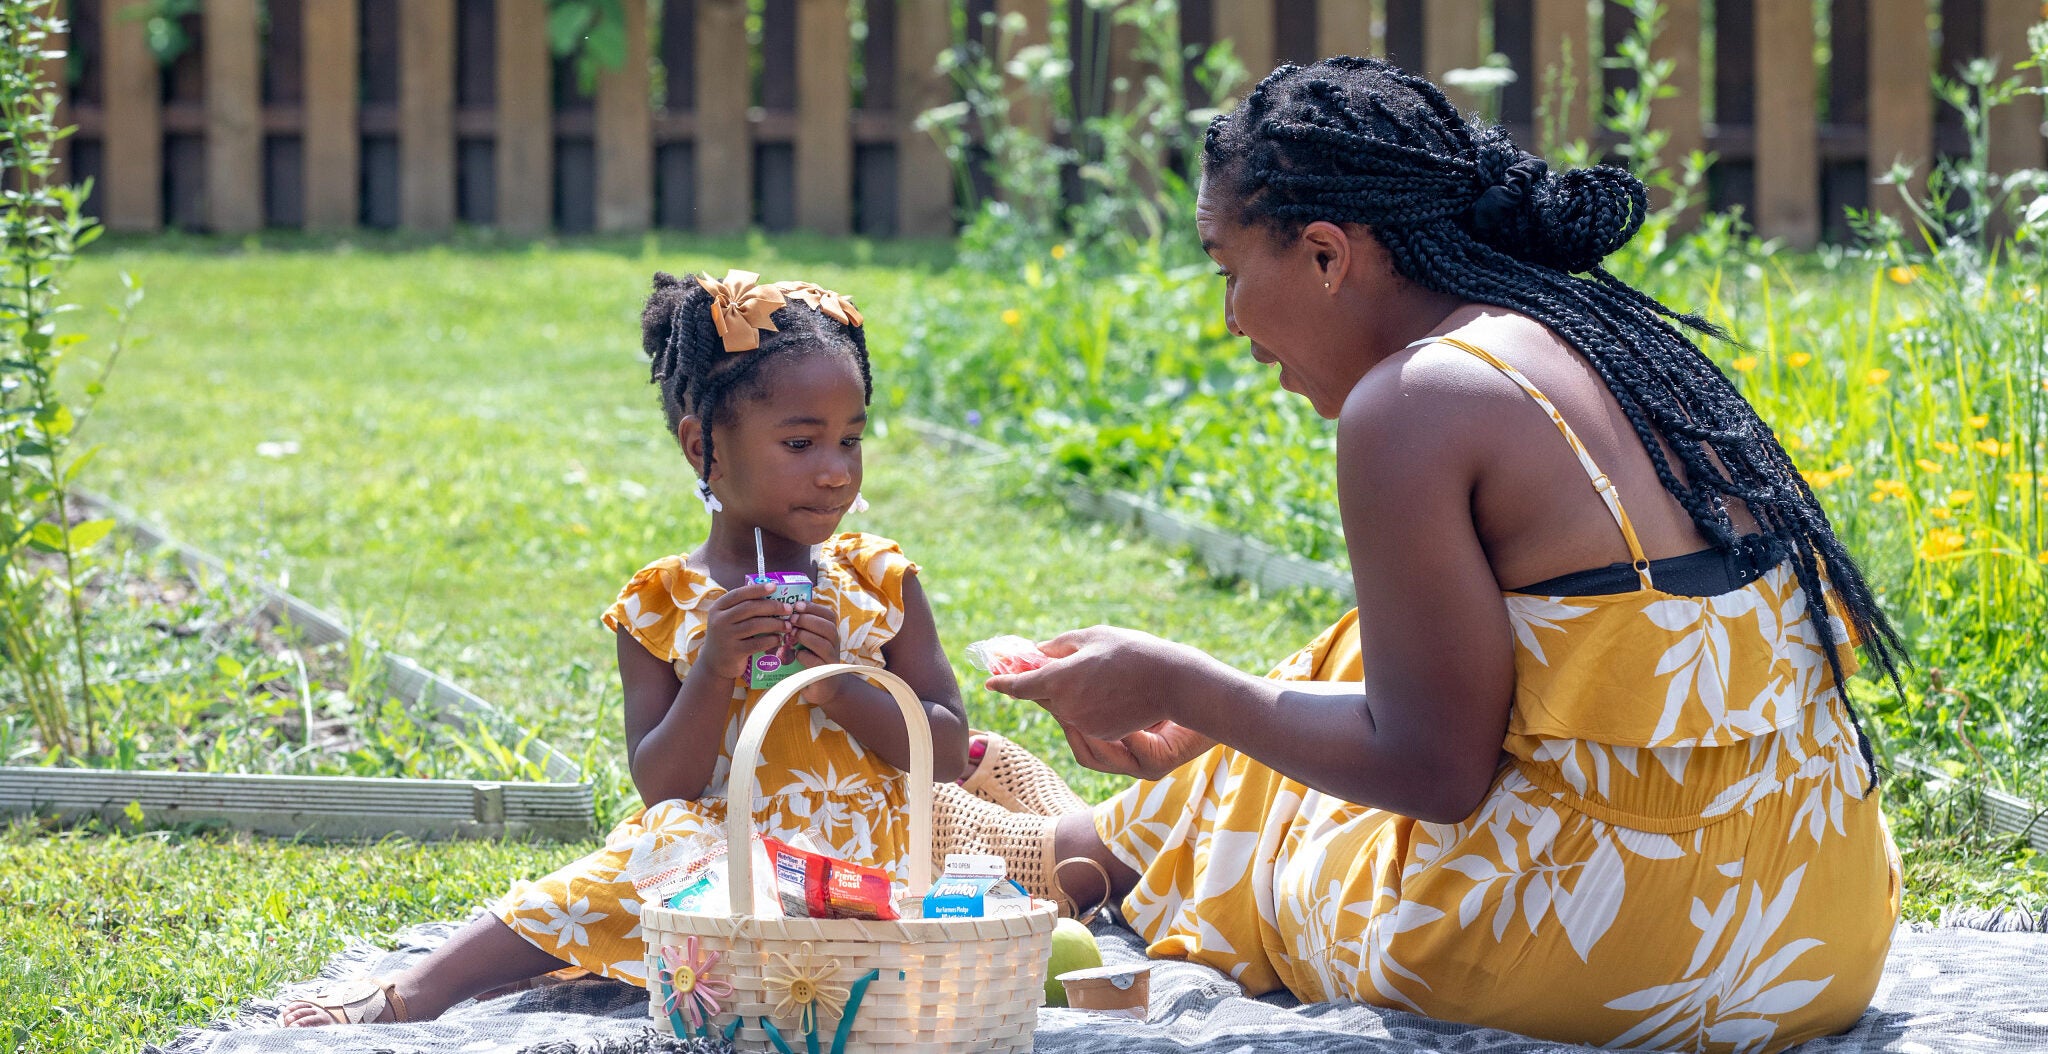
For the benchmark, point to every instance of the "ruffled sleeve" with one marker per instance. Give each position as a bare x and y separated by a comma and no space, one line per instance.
661,608
868,574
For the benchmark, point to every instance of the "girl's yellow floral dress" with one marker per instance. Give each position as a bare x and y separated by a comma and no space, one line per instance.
1679,851
814,779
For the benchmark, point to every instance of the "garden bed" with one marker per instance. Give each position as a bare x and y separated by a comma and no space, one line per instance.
230,702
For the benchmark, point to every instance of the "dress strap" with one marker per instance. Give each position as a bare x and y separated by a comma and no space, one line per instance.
1601,484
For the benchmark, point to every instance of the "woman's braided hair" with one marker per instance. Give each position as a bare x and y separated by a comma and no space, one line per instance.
698,376
1463,212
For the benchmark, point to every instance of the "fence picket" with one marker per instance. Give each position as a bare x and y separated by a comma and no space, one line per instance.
1561,49
234,117
525,155
625,135
1450,41
1901,113
1345,27
924,177
333,145
1787,150
724,145
1248,26
2016,141
426,114
1680,114
824,106
134,152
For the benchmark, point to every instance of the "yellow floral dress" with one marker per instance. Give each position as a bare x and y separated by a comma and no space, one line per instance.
1679,851
813,779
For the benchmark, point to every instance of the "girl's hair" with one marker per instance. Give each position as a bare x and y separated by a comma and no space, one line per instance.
1463,212
698,376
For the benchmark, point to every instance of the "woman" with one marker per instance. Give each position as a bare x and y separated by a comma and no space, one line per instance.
1579,765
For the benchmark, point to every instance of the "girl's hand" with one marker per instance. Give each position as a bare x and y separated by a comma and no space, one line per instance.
740,623
1147,754
1106,683
815,634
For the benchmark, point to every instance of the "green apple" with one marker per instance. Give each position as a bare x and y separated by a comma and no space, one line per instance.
1073,948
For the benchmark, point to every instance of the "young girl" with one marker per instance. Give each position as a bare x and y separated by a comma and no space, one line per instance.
766,388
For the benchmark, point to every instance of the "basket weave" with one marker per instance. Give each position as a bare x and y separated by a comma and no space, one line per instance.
933,986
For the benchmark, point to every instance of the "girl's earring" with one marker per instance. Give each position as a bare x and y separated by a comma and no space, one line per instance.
710,500
860,502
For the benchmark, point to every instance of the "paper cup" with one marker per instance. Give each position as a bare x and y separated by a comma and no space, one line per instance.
1122,989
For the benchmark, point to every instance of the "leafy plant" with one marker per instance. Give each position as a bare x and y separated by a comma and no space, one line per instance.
41,231
591,31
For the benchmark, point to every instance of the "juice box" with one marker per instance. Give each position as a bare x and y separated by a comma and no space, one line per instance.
767,668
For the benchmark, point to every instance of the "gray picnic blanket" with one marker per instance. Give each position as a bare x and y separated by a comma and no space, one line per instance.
1978,982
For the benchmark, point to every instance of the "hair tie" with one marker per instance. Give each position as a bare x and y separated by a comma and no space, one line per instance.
836,306
1498,203
741,308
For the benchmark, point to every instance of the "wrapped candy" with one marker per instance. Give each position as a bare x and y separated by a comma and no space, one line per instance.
1008,653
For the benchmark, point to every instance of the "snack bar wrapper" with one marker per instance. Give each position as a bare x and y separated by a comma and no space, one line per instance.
1008,653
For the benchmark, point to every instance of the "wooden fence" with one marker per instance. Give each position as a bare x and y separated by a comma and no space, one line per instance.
427,113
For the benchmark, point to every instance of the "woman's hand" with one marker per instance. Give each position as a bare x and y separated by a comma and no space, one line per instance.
1106,683
738,624
1147,754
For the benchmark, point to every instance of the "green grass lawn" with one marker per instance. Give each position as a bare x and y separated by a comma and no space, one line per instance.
481,464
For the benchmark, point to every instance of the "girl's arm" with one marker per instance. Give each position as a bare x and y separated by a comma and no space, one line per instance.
869,715
1422,734
675,728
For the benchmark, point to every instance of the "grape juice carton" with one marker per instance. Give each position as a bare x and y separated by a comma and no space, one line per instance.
768,668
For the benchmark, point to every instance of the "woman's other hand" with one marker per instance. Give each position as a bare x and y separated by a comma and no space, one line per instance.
1147,754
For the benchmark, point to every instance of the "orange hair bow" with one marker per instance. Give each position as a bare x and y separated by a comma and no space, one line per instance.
836,306
740,307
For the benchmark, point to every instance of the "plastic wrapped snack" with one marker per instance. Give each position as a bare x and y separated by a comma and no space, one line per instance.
1008,653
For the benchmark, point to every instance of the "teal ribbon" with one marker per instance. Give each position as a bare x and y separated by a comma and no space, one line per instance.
860,989
775,1035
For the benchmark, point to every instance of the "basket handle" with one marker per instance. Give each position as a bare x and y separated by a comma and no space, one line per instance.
739,792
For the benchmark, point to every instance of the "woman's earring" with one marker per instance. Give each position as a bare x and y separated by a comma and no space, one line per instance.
860,503
710,500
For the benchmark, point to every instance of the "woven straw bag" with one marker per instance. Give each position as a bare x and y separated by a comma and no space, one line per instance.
911,986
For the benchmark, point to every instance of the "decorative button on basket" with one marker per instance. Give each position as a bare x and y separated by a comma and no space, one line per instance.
845,986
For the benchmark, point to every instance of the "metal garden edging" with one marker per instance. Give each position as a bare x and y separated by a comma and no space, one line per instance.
1231,554
321,806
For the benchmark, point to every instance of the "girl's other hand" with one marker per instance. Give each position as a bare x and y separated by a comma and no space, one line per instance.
815,633
1106,683
738,624
1147,754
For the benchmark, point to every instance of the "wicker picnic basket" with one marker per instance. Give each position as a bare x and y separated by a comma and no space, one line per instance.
910,986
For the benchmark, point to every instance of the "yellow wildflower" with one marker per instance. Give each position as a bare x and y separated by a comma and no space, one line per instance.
1744,364
1929,467
1979,420
1992,447
1794,443
1798,359
1902,275
1980,535
2041,557
1940,543
1941,513
1894,488
1012,316
2019,479
1961,497
1877,376
1826,478
1947,447
1059,252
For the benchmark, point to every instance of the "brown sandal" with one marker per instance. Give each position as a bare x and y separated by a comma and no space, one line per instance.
1019,781
360,1002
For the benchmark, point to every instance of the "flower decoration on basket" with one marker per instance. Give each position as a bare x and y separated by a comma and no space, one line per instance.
689,992
804,983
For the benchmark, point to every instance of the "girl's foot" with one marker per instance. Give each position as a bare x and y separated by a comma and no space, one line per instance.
354,1003
1014,778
